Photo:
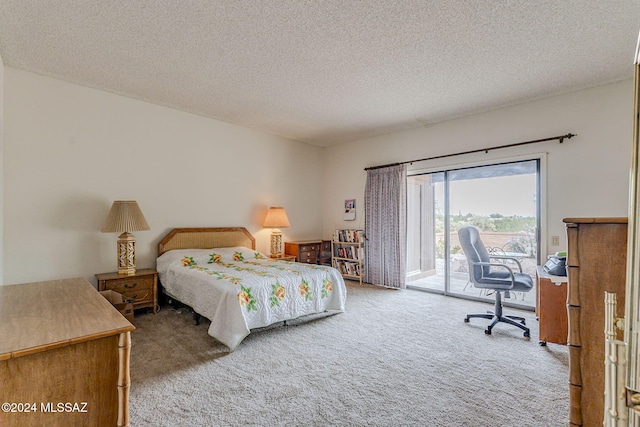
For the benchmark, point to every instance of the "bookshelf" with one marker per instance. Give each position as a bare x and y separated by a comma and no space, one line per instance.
347,253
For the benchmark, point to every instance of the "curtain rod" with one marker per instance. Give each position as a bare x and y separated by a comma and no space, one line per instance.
560,139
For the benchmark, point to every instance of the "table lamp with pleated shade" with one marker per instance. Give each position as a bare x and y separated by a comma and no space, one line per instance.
125,217
276,219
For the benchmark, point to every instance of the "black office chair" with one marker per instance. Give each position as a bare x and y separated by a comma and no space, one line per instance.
487,272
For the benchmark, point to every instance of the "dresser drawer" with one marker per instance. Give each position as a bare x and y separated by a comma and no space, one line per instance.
134,284
315,247
308,257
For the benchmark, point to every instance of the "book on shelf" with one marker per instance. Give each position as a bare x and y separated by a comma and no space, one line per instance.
348,268
349,252
349,236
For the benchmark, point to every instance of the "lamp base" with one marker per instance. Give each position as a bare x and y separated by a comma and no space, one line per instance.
126,254
276,243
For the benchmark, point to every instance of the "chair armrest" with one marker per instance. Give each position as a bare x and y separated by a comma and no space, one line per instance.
499,265
508,257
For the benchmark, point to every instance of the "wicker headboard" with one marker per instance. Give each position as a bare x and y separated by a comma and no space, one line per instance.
205,238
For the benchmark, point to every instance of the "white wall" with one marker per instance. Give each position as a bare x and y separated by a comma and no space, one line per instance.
587,176
69,151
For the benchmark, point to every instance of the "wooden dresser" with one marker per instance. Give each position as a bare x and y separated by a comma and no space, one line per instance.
597,263
307,251
64,356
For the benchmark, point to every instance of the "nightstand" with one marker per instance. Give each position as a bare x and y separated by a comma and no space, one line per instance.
141,287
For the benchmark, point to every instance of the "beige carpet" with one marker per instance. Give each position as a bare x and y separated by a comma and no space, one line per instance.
394,358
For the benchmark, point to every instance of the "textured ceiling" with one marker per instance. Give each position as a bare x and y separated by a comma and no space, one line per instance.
325,72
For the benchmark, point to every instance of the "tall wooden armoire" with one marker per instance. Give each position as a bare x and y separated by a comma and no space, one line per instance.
596,261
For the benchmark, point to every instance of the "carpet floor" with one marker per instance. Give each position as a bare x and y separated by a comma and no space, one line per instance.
393,358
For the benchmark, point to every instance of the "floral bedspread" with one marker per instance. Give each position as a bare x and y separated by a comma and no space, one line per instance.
240,289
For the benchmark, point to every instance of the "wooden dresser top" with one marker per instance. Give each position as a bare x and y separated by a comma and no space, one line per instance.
45,315
604,220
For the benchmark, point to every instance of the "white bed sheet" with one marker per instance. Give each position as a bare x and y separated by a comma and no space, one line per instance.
240,289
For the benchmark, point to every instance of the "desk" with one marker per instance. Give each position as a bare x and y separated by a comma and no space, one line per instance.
551,307
63,342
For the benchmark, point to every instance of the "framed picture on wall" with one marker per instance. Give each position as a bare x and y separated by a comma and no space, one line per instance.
350,210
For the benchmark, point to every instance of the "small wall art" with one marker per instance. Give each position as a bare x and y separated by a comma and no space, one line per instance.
350,210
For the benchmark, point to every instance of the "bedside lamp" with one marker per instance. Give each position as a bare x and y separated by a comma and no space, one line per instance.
276,219
124,217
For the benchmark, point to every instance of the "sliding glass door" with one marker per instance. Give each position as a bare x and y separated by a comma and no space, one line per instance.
502,200
425,232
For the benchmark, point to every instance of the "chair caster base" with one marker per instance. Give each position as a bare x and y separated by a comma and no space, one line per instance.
512,320
519,319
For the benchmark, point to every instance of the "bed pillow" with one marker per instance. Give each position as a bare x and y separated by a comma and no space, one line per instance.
189,257
237,253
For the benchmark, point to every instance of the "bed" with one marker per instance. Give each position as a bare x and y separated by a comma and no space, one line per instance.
219,273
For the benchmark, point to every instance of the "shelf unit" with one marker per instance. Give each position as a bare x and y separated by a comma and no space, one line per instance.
347,253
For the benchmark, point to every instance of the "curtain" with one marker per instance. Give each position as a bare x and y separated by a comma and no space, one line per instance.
386,226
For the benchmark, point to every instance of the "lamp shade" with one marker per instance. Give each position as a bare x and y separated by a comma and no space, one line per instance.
276,218
125,215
